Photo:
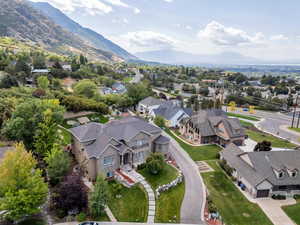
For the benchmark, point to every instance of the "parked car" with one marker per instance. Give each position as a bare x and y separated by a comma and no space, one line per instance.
89,223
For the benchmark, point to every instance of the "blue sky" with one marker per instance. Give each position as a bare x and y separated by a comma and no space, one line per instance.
265,29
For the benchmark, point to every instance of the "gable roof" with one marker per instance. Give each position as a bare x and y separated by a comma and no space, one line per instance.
206,122
261,165
95,137
150,101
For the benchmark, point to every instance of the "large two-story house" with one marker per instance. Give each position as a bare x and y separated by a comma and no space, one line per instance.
212,126
263,174
104,148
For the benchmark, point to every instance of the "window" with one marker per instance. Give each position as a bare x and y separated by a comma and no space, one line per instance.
108,161
294,174
280,174
109,174
140,156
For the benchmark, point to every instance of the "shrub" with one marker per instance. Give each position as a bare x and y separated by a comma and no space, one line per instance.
155,163
159,121
141,166
296,197
77,104
279,197
81,217
226,167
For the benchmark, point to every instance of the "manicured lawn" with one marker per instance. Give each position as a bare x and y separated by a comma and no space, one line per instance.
131,207
168,205
293,211
253,118
234,208
206,152
166,176
295,129
276,142
246,124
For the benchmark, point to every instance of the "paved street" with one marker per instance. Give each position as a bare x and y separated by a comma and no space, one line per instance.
273,123
192,208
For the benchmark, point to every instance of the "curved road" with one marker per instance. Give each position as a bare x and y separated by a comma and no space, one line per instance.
192,208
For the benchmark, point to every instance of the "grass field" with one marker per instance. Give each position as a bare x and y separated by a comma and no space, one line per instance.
295,129
206,152
276,142
293,211
253,118
166,176
131,207
168,205
246,124
234,208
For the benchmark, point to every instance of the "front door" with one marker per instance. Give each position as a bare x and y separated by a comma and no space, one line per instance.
126,158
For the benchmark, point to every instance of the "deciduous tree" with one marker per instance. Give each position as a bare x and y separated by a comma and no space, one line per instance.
22,188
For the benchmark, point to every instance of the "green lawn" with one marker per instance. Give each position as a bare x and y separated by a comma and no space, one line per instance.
234,208
295,129
276,142
253,118
166,176
168,205
206,152
131,207
246,124
293,211
127,79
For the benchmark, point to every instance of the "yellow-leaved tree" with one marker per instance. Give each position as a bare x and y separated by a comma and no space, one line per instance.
22,187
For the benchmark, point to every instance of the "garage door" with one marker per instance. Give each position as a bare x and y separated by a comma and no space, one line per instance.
262,193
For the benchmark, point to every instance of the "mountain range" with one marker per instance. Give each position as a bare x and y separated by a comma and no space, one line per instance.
177,57
91,37
18,19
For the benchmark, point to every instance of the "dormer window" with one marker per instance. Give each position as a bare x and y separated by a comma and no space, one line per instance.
279,173
293,173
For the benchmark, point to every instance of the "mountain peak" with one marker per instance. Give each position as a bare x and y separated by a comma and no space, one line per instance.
91,37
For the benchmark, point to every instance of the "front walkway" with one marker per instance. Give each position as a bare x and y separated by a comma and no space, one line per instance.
151,197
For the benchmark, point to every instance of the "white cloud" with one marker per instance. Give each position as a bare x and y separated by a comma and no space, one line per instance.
145,41
136,10
92,7
168,0
229,36
279,37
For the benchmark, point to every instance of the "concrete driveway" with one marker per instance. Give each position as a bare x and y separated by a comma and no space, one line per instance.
273,210
192,208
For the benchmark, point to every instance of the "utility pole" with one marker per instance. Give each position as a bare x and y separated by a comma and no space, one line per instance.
295,113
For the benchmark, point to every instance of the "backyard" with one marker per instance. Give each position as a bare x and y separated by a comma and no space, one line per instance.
132,206
199,153
231,204
276,142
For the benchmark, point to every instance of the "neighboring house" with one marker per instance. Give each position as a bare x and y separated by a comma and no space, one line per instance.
104,148
148,104
119,88
264,174
45,71
212,126
106,91
171,113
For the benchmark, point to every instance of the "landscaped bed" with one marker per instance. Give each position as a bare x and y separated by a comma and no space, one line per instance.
199,153
259,136
132,206
293,211
231,204
168,174
253,118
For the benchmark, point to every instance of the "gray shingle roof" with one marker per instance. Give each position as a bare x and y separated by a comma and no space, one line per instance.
162,140
150,101
207,120
96,137
264,164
